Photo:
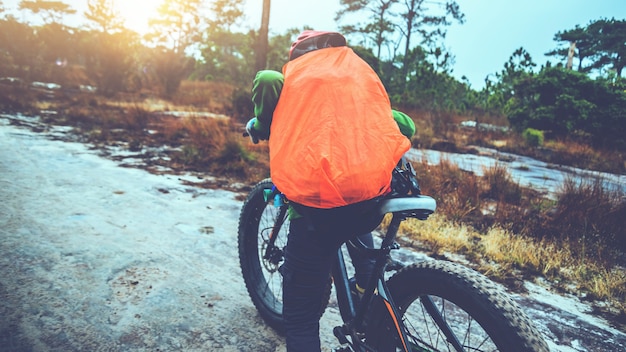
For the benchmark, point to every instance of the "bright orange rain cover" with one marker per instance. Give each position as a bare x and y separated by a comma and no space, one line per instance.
334,140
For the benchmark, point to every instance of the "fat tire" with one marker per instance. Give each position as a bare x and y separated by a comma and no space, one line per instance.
484,301
266,299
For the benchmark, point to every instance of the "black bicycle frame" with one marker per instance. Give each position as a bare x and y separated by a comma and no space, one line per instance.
354,316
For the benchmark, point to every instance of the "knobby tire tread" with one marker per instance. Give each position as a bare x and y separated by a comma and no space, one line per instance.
485,301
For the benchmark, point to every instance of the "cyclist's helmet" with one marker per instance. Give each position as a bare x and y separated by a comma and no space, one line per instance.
312,40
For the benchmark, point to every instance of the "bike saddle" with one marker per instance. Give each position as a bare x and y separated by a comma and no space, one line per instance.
417,206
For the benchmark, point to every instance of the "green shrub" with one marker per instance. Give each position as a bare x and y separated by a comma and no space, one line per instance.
533,137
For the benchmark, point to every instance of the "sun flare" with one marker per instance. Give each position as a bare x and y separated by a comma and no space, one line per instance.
136,13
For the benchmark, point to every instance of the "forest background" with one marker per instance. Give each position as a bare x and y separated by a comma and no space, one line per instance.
101,76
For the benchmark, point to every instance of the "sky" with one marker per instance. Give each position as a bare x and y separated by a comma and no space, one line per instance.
493,29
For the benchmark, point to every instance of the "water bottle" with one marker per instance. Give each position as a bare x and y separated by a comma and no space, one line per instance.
278,200
267,193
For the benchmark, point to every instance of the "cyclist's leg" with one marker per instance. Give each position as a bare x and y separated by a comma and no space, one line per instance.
311,249
363,265
308,261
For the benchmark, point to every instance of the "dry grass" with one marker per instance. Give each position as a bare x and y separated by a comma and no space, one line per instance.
215,145
457,192
593,217
520,252
581,155
209,96
438,235
500,186
507,231
568,152
587,214
199,141
501,254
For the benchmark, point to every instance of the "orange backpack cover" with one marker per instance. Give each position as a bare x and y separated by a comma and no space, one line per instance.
333,140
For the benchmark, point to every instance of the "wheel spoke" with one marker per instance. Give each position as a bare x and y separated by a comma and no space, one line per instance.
431,320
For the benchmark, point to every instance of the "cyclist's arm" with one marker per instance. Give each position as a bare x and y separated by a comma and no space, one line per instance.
406,124
266,89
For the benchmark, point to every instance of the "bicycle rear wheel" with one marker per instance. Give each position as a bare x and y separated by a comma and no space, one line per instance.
480,315
262,238
259,258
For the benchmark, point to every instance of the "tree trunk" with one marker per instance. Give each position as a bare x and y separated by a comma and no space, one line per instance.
570,55
262,40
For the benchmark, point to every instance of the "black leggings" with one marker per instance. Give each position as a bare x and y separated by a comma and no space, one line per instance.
309,257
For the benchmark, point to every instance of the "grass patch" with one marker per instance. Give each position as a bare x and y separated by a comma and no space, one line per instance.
503,255
438,235
500,185
457,192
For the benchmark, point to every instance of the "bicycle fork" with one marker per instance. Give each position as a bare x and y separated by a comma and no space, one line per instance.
273,253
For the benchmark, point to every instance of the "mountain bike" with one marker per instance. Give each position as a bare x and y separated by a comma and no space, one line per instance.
431,305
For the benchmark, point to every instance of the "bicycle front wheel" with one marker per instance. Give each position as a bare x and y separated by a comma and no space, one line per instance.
262,238
448,307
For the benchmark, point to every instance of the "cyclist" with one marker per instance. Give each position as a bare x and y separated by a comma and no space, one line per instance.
334,141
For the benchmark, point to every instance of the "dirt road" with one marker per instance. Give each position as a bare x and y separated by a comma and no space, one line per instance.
95,257
98,257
